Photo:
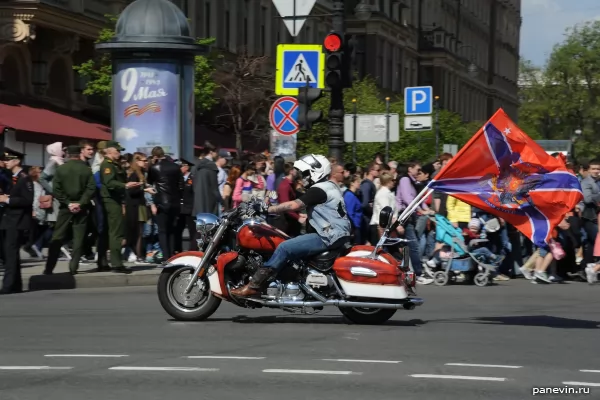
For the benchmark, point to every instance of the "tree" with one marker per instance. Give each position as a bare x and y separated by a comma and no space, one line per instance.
245,90
565,95
98,71
411,146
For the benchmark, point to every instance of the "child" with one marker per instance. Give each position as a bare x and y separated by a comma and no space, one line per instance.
472,235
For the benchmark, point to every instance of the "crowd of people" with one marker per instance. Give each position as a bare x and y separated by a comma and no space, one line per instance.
571,254
92,203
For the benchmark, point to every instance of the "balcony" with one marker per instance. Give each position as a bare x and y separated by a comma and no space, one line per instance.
95,9
57,3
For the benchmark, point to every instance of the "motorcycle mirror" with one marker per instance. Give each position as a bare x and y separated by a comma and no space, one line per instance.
385,217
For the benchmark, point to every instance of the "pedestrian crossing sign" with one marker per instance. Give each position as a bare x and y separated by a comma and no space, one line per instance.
298,64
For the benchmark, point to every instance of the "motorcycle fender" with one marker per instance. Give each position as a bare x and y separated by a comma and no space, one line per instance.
192,259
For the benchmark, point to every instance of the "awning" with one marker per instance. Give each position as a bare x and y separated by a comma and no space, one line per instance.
39,120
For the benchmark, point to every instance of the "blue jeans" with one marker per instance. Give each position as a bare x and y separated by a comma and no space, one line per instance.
413,248
150,235
427,244
300,247
489,257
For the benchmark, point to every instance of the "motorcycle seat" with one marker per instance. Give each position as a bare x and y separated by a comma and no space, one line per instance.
324,261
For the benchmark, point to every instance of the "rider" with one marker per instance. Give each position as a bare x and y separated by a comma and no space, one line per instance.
328,224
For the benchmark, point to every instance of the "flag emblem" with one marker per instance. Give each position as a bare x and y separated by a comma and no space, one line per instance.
504,172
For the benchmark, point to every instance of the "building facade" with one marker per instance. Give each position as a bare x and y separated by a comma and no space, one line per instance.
401,43
398,42
40,41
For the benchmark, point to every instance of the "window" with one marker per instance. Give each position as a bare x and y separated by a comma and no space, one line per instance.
227,30
380,76
245,32
263,31
207,18
390,72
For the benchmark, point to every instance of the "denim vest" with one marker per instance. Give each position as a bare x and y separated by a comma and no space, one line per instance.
330,219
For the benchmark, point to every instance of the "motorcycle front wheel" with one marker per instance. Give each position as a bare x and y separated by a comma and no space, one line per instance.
197,305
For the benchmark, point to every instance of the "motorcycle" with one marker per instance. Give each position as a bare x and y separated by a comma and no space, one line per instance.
366,283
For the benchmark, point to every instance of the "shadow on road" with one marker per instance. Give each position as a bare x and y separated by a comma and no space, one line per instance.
545,321
304,319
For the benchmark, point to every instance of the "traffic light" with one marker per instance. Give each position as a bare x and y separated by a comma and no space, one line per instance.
306,97
334,62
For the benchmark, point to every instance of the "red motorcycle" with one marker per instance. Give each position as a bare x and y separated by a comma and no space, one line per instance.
366,283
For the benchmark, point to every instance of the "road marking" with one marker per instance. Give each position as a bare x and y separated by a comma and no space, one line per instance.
462,377
483,365
88,355
361,361
31,367
163,369
228,357
590,370
309,371
582,384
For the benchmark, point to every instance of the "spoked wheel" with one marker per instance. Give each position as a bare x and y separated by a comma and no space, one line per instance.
197,305
481,279
367,316
441,278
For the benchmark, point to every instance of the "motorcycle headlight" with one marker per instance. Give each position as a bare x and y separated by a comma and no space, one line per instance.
206,223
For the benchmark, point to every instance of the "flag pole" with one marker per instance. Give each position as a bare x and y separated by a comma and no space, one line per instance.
414,204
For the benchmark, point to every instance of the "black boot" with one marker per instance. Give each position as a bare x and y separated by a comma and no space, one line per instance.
256,284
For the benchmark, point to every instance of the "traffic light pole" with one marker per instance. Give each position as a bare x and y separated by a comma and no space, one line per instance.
336,109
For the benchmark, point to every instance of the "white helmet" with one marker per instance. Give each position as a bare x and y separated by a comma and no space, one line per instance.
313,168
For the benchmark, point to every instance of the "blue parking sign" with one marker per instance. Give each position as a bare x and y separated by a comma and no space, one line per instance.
418,100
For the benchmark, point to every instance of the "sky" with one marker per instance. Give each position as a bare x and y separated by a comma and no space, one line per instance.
545,21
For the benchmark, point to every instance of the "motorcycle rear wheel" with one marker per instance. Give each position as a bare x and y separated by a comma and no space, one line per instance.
367,316
198,305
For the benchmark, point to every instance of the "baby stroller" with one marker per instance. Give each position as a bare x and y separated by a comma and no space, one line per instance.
461,260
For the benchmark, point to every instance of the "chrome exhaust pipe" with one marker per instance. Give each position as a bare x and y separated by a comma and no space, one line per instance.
408,304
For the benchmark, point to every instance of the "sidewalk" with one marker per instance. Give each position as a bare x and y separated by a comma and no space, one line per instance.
34,279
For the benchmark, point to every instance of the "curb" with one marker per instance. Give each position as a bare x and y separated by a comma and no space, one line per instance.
62,281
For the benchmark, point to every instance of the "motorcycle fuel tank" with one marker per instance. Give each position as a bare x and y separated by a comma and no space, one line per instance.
259,236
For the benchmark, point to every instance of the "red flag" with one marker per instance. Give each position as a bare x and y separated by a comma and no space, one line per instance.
504,172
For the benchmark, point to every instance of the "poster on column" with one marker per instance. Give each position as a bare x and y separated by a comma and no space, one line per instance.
145,107
283,145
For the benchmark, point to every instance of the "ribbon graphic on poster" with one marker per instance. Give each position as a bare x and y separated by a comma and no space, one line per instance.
146,101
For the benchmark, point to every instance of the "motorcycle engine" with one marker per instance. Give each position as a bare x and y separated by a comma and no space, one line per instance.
284,291
253,262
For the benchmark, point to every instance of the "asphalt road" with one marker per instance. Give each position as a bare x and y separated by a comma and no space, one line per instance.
495,343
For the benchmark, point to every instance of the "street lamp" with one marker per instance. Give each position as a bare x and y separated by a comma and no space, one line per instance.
472,69
362,11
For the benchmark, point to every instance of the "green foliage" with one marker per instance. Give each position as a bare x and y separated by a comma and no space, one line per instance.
98,70
563,96
369,100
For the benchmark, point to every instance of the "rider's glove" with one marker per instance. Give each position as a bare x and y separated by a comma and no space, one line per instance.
260,207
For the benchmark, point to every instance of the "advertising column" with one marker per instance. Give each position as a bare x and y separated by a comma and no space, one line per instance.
146,107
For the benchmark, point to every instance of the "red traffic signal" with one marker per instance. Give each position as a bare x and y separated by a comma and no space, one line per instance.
333,42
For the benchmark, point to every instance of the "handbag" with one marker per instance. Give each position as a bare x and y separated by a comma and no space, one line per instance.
558,253
46,202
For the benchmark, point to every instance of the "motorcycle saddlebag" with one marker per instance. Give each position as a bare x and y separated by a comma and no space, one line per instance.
365,277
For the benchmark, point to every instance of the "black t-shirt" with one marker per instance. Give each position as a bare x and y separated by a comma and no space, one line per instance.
313,197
